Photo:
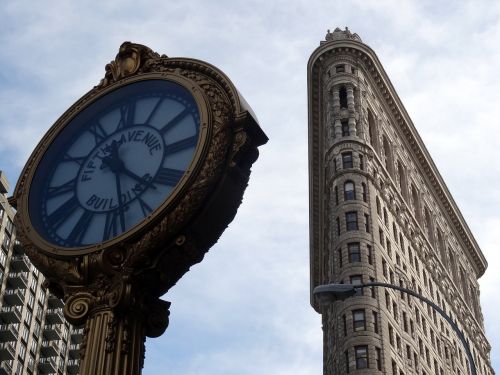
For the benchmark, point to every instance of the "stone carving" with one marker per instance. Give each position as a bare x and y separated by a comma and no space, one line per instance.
339,34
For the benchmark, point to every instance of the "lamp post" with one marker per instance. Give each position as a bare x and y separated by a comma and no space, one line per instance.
330,293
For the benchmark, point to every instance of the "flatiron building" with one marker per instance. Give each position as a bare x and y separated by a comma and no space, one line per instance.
380,211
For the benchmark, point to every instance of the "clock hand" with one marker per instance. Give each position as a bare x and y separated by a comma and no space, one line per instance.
113,159
141,180
120,205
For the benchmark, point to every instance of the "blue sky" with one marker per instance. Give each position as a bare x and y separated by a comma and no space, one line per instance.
245,308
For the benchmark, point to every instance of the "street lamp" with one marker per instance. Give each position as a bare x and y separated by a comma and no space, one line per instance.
329,293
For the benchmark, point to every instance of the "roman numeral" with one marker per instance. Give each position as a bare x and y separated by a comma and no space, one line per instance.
181,145
146,210
110,226
98,132
169,125
157,105
79,160
60,215
79,230
168,176
67,187
127,115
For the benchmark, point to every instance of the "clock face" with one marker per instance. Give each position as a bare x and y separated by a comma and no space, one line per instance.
114,163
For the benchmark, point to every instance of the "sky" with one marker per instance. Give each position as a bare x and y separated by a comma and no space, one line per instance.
245,309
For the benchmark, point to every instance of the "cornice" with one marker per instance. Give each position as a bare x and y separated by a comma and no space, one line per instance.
367,57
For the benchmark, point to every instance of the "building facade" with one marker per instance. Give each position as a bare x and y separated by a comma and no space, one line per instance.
380,211
34,336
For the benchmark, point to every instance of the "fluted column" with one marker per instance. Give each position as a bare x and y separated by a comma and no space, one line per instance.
336,111
330,119
350,108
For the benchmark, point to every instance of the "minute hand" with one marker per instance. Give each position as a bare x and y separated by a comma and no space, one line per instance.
131,174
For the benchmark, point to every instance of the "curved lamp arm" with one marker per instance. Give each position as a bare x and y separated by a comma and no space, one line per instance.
330,293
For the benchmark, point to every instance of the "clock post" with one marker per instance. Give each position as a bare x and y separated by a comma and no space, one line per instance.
128,189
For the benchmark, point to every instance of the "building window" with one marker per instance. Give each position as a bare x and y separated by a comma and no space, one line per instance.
349,191
361,354
361,163
372,288
386,220
377,201
358,320
351,220
354,252
339,254
26,333
357,280
345,128
6,242
344,319
347,160
22,351
31,300
378,359
370,254
343,97
365,198
391,335
367,223
9,227
338,226
375,321
336,195
3,257
340,69
346,356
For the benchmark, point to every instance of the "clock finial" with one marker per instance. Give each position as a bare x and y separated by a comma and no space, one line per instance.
130,58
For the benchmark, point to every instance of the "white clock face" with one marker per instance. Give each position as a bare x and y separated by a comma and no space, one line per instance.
114,163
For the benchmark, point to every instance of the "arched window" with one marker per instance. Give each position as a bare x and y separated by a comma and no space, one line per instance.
349,191
343,97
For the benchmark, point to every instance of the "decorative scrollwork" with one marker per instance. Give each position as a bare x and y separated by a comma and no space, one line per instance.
77,307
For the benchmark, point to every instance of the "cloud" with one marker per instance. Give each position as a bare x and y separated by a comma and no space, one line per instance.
245,309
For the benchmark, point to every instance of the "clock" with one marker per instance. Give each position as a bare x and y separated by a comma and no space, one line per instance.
128,189
115,164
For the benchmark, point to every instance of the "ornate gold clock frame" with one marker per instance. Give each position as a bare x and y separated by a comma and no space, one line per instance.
114,288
